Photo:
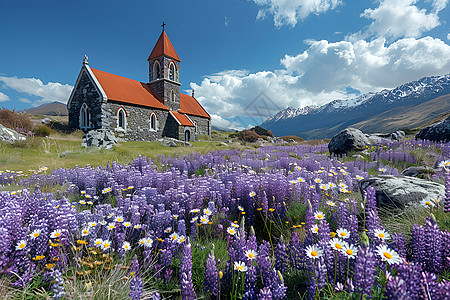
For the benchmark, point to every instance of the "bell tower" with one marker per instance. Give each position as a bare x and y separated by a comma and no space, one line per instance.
164,71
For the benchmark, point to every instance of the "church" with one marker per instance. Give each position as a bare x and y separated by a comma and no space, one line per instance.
135,110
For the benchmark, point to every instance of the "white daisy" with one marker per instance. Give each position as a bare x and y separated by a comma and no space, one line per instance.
92,224
343,233
231,230
85,231
98,242
126,246
318,180
137,226
250,254
181,239
106,245
313,252
207,212
111,226
381,234
168,230
427,202
338,244
315,229
148,243
252,194
240,266
350,250
174,236
388,255
204,219
21,245
35,233
319,215
119,219
127,224
55,234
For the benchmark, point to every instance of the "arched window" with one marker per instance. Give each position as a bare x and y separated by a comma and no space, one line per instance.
85,117
172,71
195,127
156,70
172,96
187,135
121,119
153,122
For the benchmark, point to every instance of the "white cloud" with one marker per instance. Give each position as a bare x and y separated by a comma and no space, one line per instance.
24,100
222,124
3,97
289,12
401,18
322,73
52,91
448,36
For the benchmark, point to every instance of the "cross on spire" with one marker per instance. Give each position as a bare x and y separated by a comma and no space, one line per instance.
163,24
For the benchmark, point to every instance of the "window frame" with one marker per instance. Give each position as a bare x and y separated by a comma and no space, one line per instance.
85,116
153,115
121,110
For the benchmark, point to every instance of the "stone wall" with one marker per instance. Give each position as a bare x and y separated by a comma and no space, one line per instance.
172,128
85,93
137,121
203,125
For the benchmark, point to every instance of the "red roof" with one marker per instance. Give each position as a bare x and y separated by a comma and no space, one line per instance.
182,119
189,105
126,90
163,47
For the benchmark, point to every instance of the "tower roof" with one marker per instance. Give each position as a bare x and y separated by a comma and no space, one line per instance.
164,47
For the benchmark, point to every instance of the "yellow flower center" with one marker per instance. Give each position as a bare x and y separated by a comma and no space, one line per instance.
349,251
316,229
231,231
339,246
428,203
314,253
21,246
239,268
319,216
106,245
387,255
342,233
381,235
57,234
250,255
36,234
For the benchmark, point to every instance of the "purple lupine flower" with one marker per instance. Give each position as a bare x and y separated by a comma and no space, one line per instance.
265,294
57,285
372,220
447,191
182,227
364,270
417,244
279,289
281,257
265,264
446,249
433,243
398,244
187,287
396,289
296,252
429,286
411,275
211,282
136,288
249,294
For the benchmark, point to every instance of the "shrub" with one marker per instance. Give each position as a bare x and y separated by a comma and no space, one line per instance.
14,120
292,137
249,136
42,130
262,131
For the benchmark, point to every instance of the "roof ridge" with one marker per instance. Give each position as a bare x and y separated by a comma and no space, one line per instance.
164,47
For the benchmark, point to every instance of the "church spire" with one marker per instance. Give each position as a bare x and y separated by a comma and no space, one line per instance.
164,47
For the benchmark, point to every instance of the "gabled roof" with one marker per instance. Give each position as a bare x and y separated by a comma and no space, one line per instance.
164,47
189,105
126,90
181,119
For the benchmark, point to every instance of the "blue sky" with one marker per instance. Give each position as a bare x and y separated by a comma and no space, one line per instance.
245,59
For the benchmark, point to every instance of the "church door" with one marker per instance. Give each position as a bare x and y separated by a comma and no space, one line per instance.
187,135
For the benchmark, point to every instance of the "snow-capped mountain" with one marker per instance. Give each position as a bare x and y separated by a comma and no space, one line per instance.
326,120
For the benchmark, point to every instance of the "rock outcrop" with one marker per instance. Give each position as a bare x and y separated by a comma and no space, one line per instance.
171,142
348,140
10,136
100,138
438,132
402,191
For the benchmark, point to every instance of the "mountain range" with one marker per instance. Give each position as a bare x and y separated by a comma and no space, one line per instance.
49,109
408,106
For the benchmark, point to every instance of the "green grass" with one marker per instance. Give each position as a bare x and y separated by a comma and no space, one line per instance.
65,151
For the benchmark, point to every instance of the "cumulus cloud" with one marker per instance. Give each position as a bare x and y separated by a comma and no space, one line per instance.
402,18
324,72
289,12
50,92
4,97
24,100
221,124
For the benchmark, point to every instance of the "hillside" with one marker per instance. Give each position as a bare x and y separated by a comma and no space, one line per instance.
49,109
410,105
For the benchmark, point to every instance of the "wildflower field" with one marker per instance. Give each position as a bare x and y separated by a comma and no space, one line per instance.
277,222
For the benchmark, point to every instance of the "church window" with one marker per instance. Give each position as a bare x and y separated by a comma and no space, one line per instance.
172,96
121,119
195,127
85,117
153,122
156,71
172,71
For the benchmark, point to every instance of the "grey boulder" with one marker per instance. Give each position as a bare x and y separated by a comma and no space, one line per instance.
171,142
402,191
350,139
100,138
421,172
10,136
438,132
